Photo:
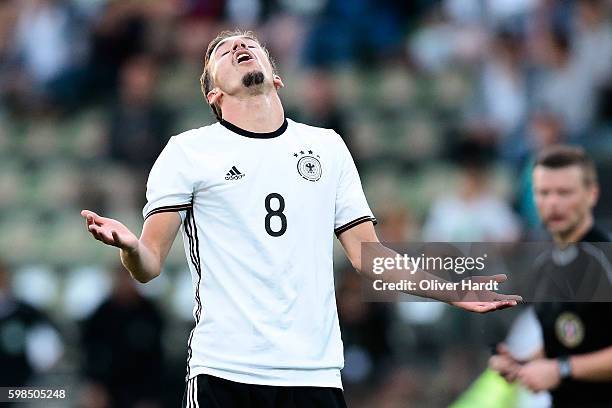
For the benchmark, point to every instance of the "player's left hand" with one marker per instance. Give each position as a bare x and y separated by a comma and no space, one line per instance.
484,307
540,375
483,301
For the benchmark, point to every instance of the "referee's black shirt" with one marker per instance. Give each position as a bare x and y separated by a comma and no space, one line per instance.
571,328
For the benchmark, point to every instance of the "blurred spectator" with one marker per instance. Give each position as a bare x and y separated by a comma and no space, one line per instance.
593,45
434,45
545,129
51,49
474,212
356,31
285,35
321,103
178,82
244,13
494,12
562,76
503,85
139,124
321,108
593,39
122,341
8,69
29,343
203,9
118,33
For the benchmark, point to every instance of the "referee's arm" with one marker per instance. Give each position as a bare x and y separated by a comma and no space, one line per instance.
544,374
594,366
143,257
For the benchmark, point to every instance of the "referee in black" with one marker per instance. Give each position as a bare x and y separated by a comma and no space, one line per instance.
575,363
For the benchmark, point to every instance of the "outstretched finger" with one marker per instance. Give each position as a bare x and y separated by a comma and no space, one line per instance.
92,217
500,277
497,305
87,213
504,298
493,278
94,232
101,235
505,304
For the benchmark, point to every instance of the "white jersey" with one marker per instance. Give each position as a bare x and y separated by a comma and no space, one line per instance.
259,211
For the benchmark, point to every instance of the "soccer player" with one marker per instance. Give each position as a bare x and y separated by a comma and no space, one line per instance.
575,363
258,197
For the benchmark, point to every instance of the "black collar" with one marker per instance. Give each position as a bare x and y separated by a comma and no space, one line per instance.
248,133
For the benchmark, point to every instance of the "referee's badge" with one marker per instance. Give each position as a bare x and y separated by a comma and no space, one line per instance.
308,165
569,329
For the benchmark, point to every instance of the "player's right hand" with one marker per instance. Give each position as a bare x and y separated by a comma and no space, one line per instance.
110,231
503,362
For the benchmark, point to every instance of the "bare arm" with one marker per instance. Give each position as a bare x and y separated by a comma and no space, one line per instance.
543,373
351,241
144,256
594,366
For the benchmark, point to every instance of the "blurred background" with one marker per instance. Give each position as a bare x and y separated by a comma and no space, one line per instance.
442,103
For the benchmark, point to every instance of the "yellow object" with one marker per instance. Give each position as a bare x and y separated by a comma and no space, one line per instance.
489,390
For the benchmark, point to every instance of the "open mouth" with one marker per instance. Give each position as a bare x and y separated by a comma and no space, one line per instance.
243,57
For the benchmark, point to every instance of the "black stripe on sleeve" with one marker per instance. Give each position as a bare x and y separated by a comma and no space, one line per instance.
198,264
191,230
354,223
169,208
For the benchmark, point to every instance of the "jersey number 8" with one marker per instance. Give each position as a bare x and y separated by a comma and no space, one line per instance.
275,213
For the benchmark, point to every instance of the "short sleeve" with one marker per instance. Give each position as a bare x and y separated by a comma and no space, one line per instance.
351,205
170,186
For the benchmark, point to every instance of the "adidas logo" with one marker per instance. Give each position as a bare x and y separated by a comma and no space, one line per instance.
234,174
